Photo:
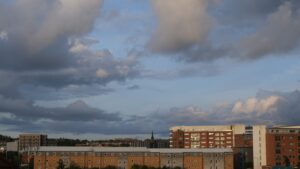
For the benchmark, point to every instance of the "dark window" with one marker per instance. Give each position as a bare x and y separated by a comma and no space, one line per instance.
278,158
278,163
277,151
277,138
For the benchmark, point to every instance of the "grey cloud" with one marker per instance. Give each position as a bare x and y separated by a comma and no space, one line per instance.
45,46
181,24
280,34
77,111
267,107
133,87
253,29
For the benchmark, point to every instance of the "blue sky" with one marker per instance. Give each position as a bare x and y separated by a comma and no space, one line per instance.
119,64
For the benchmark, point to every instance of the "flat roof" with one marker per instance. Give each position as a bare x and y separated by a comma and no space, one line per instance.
131,149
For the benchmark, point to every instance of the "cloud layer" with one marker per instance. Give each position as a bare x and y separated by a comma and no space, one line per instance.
266,107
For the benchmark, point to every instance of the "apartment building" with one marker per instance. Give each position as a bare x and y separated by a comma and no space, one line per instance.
125,157
283,146
31,141
221,136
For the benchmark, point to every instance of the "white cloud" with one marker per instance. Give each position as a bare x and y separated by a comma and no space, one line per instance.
3,35
258,106
101,73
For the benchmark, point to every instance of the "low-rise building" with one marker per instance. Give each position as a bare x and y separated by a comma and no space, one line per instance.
126,157
31,141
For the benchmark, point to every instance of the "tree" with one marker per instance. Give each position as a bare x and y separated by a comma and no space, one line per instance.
287,161
60,164
110,167
135,166
31,164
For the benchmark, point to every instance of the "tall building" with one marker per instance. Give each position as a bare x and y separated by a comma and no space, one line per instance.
283,146
221,136
31,141
259,146
126,157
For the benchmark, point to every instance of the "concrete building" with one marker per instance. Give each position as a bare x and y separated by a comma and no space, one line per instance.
283,146
259,146
12,146
30,141
125,157
221,136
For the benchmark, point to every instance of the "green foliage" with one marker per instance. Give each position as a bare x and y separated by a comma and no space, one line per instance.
60,164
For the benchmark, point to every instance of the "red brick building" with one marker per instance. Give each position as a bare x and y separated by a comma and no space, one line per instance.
204,136
283,146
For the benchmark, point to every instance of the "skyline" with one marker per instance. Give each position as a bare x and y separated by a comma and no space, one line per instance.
112,68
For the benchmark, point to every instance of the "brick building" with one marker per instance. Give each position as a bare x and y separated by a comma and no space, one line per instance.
283,146
205,136
124,158
243,151
29,141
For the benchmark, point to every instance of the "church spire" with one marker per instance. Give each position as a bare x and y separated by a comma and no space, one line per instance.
152,136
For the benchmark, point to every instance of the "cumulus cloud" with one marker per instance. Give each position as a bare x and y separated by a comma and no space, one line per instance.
242,30
181,24
46,47
259,106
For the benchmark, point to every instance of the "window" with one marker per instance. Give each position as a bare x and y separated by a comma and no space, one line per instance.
277,151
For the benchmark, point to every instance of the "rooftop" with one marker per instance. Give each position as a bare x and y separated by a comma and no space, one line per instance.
129,149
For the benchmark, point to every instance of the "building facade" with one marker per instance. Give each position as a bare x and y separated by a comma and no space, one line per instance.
31,141
283,146
243,151
205,136
259,146
125,158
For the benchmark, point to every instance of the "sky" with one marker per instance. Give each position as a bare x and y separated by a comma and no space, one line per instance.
102,69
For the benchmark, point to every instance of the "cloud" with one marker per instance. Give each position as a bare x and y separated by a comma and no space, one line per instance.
240,30
77,111
259,106
267,107
133,87
45,47
181,24
269,38
3,35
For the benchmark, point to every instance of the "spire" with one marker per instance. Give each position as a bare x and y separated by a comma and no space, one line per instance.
152,136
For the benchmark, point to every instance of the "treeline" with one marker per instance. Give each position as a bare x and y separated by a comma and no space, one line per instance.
6,138
65,142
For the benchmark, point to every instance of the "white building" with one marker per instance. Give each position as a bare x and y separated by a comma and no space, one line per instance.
259,146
